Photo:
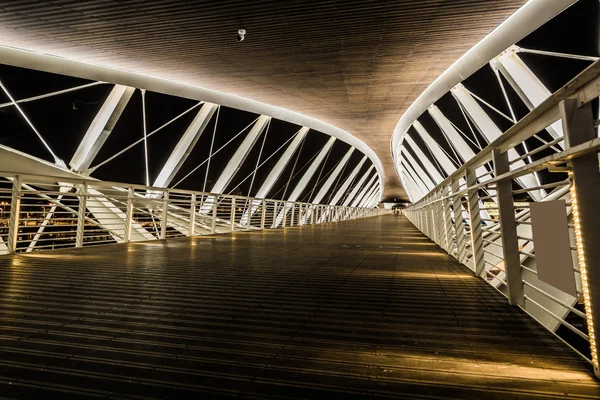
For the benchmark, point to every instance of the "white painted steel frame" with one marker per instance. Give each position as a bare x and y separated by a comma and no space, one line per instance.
59,65
185,145
491,49
514,272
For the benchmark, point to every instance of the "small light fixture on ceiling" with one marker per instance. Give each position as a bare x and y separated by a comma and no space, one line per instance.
241,35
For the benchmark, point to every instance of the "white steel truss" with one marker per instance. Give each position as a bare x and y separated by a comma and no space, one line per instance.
308,175
185,145
357,187
101,127
491,132
240,155
367,188
344,188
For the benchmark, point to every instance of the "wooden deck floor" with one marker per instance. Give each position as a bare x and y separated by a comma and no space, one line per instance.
366,308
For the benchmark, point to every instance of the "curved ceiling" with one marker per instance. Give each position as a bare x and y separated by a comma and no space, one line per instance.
357,65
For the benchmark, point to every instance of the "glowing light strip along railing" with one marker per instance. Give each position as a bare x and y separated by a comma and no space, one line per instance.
499,255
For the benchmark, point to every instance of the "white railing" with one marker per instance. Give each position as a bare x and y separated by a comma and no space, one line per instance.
475,215
40,212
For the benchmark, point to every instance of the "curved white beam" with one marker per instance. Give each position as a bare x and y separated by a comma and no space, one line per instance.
525,20
48,63
357,187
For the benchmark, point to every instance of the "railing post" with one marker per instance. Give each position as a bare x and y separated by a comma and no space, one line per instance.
508,228
313,211
459,229
165,216
193,203
129,215
285,208
213,225
426,217
232,214
475,220
263,214
578,128
439,219
421,220
81,215
292,217
432,218
15,209
447,218
249,219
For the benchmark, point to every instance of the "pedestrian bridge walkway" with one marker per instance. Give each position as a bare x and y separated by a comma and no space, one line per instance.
367,307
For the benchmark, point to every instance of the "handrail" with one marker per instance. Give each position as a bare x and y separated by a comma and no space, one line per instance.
53,179
78,211
585,87
456,225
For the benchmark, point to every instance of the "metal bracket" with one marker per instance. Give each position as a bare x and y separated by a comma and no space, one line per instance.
556,167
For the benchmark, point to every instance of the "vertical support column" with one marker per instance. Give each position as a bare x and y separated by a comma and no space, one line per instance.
165,216
433,217
441,219
447,218
128,215
285,207
81,215
263,214
292,216
424,218
232,214
475,221
578,128
15,209
428,218
193,204
439,227
213,225
432,220
275,211
249,202
508,227
459,229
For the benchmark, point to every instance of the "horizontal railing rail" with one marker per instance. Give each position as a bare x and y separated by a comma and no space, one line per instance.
41,212
482,215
